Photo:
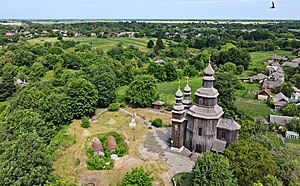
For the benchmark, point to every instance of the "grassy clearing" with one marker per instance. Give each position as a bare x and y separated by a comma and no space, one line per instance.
71,165
253,108
244,93
167,90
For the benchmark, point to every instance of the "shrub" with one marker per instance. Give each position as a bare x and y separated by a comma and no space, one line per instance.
157,122
123,105
98,162
85,122
113,107
138,176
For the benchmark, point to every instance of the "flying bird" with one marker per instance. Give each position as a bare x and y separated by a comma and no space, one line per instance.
273,5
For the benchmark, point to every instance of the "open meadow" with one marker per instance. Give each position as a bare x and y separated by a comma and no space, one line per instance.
103,43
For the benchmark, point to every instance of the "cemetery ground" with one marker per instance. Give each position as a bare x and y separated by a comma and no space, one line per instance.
149,149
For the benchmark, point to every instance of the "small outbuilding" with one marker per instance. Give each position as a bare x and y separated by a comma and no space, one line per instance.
112,144
280,120
97,147
264,94
291,135
158,105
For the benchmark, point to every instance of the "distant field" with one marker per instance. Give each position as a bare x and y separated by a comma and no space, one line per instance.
12,23
258,58
104,43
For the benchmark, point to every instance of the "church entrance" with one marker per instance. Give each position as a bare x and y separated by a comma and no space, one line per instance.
198,148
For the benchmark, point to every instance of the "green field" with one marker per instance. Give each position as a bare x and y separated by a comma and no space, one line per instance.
244,93
104,43
253,108
166,90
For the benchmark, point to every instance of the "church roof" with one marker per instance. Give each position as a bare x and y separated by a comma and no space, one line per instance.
218,145
209,71
206,112
228,124
207,92
178,93
187,88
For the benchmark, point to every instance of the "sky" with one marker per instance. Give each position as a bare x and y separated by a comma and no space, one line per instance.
149,9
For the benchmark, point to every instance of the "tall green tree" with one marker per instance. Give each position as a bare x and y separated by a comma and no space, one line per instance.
212,169
225,83
24,161
150,44
143,90
82,97
250,161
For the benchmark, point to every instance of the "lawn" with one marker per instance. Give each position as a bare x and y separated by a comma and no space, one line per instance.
104,43
253,108
71,164
167,90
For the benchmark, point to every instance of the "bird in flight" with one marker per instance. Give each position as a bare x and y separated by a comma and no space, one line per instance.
273,5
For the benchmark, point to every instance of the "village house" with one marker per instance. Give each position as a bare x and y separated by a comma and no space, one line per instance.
97,147
280,120
291,135
258,77
21,82
264,94
290,64
10,34
296,94
93,34
270,84
159,61
199,127
280,100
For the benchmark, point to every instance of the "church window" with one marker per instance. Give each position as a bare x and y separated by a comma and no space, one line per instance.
200,132
223,134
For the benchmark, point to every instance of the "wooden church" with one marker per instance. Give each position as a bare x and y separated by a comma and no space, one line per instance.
200,127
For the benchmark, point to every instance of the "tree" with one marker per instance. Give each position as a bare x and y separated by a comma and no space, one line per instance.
286,88
248,129
82,97
170,70
37,70
7,86
250,161
189,71
158,71
212,169
71,60
225,84
138,176
143,90
30,121
294,124
160,43
291,109
24,161
229,67
150,44
104,80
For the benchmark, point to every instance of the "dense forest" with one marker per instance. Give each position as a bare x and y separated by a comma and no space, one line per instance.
46,85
